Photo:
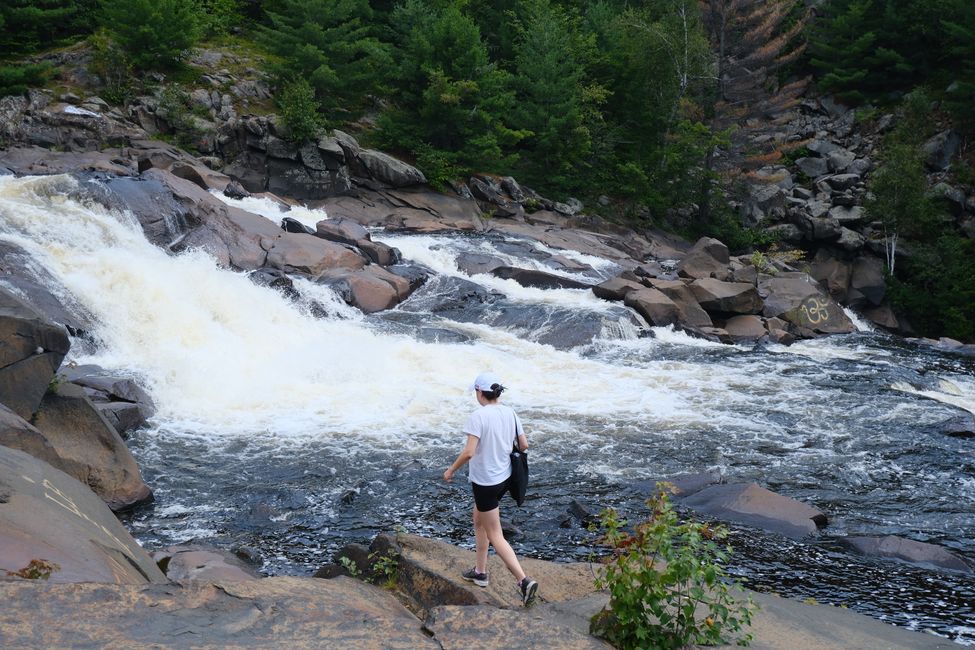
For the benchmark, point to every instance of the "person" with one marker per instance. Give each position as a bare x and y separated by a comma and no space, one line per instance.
491,432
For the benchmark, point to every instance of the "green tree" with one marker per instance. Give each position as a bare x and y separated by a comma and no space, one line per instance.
961,50
451,102
153,33
299,110
554,99
332,45
30,25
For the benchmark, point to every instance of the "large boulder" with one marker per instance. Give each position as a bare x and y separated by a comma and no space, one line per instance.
311,256
797,298
655,307
389,170
753,505
616,288
940,149
720,297
90,448
744,329
122,401
195,563
46,515
17,433
370,289
476,263
833,273
343,231
31,349
707,258
690,312
537,279
907,550
44,293
867,283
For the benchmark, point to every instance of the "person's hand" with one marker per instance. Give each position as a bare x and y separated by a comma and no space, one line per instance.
447,475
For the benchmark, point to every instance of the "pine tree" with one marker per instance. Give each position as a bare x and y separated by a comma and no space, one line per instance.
153,33
332,45
961,50
452,105
30,25
554,99
840,46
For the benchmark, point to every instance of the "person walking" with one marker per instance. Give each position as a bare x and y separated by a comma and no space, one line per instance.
491,433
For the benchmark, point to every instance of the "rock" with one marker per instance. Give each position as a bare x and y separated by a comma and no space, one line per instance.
537,279
123,402
270,613
847,216
486,627
682,485
341,230
797,298
655,307
370,289
962,426
813,167
765,201
311,256
843,181
235,190
867,283
850,240
907,550
952,197
194,563
822,147
31,349
163,217
91,450
389,170
689,312
294,226
940,149
47,515
429,575
885,317
379,253
752,505
616,288
727,297
707,258
476,263
17,433
785,232
860,166
832,273
744,329
40,290
840,160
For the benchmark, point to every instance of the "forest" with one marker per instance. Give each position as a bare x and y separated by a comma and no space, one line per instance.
645,103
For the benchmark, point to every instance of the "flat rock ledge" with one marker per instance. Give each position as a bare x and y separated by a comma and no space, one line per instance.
291,612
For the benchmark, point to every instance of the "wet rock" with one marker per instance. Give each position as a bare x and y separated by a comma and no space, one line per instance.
655,307
582,514
40,290
690,313
31,351
195,563
311,256
907,550
745,329
537,279
294,226
720,297
47,515
616,288
90,448
752,505
962,426
379,253
370,289
122,401
475,263
341,230
798,299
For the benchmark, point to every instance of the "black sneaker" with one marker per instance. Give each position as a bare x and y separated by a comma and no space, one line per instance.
471,575
528,589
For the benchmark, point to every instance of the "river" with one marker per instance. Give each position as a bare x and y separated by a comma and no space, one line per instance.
292,434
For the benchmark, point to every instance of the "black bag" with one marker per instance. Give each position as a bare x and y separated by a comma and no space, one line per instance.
518,483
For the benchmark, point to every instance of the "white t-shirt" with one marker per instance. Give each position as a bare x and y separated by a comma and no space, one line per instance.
494,426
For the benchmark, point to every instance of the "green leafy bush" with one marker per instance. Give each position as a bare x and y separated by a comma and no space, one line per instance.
110,63
299,110
666,584
16,79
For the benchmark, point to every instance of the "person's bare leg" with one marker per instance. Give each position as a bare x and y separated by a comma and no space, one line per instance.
481,543
490,523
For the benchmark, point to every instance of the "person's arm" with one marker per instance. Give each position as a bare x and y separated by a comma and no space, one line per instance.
465,455
522,442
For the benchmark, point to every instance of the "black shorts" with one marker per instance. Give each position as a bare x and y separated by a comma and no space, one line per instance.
488,497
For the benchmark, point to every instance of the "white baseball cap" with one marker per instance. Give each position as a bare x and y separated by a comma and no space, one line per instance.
484,381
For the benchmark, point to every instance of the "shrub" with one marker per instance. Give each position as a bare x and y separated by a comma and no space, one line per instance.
299,110
154,33
16,79
36,570
110,63
666,584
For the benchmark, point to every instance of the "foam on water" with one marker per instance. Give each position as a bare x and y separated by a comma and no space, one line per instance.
956,391
274,210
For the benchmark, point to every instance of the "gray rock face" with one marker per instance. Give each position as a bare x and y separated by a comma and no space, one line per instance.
940,149
907,550
389,170
708,258
813,167
31,353
195,563
90,448
371,289
743,329
17,433
46,514
616,288
655,307
867,283
537,279
123,402
752,505
797,298
727,297
31,283
475,263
